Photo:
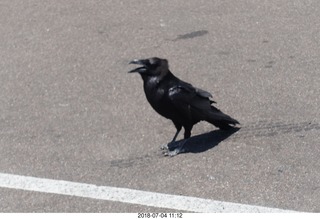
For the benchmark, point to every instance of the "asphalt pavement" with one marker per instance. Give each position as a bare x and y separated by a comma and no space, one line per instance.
69,110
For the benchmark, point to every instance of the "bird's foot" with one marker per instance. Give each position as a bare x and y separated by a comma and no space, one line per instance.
171,150
172,153
164,147
169,146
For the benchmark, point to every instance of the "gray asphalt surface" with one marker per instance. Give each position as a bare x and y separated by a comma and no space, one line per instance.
70,111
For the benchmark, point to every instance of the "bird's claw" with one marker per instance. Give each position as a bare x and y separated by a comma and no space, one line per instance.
164,147
171,153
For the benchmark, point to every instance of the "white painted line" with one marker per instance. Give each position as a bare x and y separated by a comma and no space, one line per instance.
159,200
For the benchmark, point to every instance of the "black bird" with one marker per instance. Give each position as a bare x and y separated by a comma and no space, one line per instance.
178,101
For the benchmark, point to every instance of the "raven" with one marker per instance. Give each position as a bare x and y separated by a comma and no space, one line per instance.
178,101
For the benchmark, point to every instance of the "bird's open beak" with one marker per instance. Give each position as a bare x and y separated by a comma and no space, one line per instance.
141,69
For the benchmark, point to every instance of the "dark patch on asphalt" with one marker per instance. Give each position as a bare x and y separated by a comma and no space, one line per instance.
251,60
133,161
223,53
270,64
191,35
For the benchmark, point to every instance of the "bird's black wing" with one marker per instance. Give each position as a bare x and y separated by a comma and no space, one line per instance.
192,89
194,104
191,102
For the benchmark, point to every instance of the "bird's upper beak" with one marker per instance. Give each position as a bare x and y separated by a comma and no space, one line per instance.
141,69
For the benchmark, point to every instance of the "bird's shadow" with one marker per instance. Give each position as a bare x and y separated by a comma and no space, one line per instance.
203,142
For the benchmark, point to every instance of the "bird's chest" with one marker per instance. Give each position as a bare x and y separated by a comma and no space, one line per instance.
154,91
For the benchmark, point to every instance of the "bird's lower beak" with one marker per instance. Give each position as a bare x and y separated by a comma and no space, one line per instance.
138,70
141,69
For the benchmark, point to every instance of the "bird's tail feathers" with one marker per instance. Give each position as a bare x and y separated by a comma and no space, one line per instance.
220,120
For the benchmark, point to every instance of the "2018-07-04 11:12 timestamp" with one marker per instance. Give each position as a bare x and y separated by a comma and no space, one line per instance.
160,215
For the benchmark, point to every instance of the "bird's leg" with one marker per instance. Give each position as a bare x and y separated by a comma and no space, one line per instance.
177,149
187,132
166,146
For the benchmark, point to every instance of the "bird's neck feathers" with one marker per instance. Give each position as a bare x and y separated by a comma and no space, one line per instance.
156,78
163,74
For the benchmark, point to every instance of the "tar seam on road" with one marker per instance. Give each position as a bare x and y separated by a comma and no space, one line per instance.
158,200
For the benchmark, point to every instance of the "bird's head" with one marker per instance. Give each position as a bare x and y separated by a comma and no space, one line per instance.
152,66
